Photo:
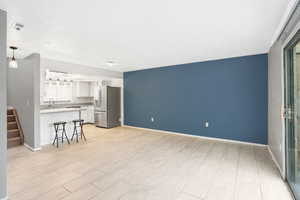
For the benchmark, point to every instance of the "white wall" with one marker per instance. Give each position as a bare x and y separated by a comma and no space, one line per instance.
275,105
276,132
23,93
3,104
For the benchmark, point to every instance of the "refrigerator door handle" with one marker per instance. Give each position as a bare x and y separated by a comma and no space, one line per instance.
100,98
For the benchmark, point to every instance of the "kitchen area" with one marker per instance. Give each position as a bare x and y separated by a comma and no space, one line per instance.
65,97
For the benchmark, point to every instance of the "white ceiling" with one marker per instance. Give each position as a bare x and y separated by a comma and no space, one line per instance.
139,34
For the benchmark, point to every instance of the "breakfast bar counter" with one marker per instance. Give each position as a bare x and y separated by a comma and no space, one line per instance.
50,116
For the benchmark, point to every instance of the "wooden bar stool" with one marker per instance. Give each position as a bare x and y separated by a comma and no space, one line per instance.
60,126
78,124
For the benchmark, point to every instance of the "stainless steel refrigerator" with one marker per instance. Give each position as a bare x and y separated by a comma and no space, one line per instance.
108,107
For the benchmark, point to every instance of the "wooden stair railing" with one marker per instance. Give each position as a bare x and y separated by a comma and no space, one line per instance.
15,135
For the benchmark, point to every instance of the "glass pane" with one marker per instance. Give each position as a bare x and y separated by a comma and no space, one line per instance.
292,121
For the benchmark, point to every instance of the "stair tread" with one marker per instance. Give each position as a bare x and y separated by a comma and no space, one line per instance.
12,130
14,139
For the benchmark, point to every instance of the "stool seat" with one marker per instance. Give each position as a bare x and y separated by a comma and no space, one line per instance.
59,123
78,120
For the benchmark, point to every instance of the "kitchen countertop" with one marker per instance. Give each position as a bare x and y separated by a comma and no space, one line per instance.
46,106
55,110
64,107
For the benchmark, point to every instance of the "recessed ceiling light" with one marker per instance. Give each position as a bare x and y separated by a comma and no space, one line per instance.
49,44
110,63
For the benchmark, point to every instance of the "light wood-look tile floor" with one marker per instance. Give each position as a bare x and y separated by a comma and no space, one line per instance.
132,164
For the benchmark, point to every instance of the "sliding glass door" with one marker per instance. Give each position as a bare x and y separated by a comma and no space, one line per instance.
292,114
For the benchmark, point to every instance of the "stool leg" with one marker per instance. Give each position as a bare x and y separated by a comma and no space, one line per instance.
76,134
73,133
56,136
54,139
82,133
62,135
57,141
64,132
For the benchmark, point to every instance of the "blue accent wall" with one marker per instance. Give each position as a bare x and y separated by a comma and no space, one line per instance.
230,93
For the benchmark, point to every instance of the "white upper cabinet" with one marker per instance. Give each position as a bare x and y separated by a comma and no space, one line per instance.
57,91
50,91
85,89
60,91
67,90
66,87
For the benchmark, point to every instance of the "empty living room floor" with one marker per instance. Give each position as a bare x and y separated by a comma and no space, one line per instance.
131,164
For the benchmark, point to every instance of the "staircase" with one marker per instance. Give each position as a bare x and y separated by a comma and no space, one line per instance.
14,131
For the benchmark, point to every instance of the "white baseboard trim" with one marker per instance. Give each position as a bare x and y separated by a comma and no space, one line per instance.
32,149
276,163
197,136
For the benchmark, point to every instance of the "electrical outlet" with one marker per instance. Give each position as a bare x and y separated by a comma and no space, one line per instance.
152,119
206,124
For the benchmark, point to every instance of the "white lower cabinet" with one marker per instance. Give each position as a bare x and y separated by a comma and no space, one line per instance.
47,132
91,114
84,114
87,114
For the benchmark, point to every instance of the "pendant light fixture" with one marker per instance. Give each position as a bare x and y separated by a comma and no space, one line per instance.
13,62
